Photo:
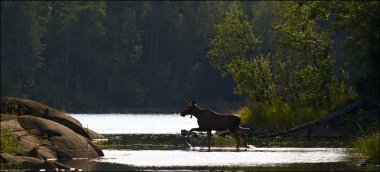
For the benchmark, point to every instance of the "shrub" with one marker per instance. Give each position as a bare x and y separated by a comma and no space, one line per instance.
278,116
9,143
368,146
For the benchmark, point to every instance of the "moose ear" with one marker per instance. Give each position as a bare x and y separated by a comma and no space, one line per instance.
193,102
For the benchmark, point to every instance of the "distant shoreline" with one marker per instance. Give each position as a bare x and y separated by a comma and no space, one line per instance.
231,108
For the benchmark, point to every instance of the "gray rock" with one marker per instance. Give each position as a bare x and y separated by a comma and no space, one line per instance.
17,106
46,139
44,135
93,134
23,162
64,141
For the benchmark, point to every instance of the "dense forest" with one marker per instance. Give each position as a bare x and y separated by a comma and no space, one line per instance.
298,57
85,56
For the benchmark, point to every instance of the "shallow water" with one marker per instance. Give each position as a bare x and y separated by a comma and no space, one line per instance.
152,142
136,123
223,158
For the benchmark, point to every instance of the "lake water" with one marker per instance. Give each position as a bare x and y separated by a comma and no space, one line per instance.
136,123
198,158
224,157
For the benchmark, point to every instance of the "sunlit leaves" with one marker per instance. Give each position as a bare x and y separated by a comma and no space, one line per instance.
233,39
233,51
306,38
253,78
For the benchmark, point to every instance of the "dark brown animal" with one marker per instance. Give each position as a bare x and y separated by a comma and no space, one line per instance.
209,120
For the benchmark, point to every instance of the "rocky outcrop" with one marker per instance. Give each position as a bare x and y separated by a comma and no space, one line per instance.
44,135
93,134
24,162
49,140
17,106
29,163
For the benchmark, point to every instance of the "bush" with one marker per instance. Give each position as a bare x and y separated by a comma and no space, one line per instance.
9,144
368,146
278,116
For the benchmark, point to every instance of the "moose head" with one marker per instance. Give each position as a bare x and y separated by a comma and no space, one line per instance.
190,108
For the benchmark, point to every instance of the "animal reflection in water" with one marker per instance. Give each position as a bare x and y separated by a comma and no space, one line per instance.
209,120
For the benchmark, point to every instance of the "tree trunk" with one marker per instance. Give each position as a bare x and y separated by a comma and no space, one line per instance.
330,116
67,74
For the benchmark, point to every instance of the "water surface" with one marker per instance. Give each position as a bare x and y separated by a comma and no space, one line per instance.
136,123
165,149
222,157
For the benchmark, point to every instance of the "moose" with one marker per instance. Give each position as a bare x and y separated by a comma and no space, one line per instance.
209,120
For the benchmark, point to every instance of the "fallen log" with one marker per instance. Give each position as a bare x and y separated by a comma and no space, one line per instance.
330,116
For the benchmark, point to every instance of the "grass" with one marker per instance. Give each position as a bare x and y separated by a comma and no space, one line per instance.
9,143
367,146
278,117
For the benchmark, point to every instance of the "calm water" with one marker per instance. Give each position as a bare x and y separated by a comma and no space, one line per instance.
198,158
136,123
223,157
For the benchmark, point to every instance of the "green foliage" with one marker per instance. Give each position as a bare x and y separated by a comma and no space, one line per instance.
9,144
360,20
233,51
113,55
233,40
311,62
21,44
300,82
110,55
253,78
369,147
277,116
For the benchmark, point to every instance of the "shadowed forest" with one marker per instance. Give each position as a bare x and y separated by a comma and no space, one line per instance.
302,74
106,56
299,57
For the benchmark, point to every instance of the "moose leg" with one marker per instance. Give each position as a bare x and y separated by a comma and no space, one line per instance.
191,130
244,132
236,136
209,139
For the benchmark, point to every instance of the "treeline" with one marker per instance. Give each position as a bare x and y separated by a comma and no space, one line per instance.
286,59
322,55
105,56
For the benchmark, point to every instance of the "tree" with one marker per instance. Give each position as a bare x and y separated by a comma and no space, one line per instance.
75,40
81,55
124,52
310,61
234,52
22,29
302,81
359,21
233,40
